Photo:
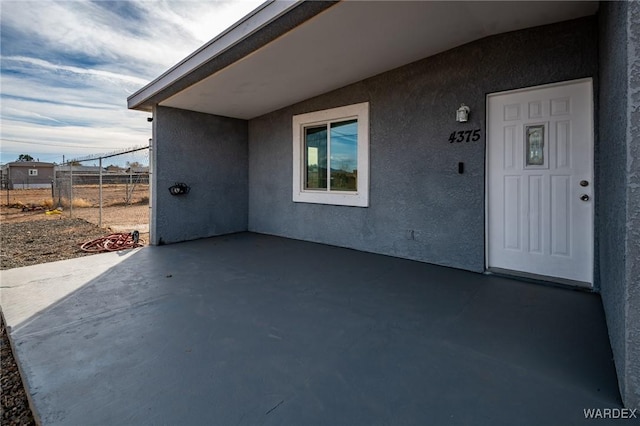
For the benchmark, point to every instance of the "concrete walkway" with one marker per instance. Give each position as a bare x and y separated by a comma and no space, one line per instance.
251,329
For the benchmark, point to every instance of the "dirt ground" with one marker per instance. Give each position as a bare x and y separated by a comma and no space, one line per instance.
15,408
28,205
84,196
29,236
47,240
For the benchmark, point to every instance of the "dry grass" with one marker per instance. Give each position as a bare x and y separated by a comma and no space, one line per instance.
79,202
84,196
50,204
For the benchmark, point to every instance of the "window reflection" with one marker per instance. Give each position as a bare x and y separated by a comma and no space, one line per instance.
332,149
316,157
344,155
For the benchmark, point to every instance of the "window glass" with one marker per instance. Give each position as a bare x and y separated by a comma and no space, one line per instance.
331,156
316,157
344,156
535,145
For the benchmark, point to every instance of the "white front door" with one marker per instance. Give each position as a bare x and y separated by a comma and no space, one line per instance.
540,181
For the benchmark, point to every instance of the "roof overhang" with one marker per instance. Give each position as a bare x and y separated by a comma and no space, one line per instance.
285,52
29,164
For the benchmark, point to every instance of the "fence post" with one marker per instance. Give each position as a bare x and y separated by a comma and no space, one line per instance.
8,183
130,187
152,221
100,192
59,185
70,191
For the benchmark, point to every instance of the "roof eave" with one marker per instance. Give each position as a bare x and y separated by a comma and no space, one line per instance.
203,61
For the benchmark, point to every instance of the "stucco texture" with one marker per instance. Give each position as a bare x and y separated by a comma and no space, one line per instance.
209,154
619,188
420,208
632,394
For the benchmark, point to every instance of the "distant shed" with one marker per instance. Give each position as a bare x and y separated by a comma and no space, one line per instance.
27,175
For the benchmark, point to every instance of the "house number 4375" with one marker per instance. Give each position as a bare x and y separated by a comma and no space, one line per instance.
465,136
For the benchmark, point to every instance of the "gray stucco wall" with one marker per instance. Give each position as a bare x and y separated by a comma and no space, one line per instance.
420,207
632,396
619,188
208,153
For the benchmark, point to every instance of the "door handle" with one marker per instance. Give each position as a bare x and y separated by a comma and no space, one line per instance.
584,197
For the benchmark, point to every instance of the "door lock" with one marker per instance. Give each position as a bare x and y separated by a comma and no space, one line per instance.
584,197
584,183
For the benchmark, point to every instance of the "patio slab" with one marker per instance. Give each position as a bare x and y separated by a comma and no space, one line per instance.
253,329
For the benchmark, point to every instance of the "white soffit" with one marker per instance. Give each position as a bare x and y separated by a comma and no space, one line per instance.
355,40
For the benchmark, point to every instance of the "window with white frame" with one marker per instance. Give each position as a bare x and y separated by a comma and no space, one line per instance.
331,156
33,172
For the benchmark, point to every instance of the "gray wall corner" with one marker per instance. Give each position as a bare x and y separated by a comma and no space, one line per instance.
619,195
208,153
632,397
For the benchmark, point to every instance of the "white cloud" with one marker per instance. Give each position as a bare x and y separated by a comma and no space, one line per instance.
68,67
72,141
107,75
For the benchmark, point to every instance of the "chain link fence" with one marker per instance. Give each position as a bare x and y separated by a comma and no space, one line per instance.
111,191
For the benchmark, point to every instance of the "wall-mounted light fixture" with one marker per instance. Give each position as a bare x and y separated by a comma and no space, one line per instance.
179,189
462,114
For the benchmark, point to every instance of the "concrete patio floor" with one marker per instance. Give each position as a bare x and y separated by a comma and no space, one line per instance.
251,329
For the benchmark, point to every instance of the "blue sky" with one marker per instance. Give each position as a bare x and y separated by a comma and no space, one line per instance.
67,68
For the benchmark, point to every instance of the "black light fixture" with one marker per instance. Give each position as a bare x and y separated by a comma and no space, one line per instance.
179,189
